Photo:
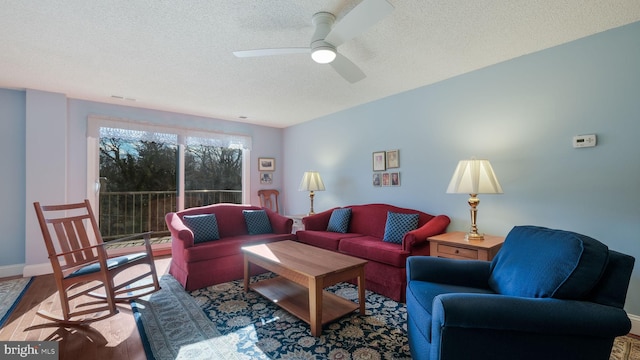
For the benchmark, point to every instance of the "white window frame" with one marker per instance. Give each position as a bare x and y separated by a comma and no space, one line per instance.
95,122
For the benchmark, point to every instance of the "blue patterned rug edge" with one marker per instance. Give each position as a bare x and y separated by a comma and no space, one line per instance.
15,303
143,334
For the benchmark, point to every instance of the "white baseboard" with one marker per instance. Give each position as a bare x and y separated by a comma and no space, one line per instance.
37,269
635,324
11,270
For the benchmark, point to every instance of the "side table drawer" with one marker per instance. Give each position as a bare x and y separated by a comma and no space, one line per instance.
457,252
454,245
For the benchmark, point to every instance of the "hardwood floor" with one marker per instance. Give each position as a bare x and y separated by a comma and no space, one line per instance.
114,338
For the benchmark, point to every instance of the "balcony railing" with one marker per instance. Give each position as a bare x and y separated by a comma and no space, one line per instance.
132,212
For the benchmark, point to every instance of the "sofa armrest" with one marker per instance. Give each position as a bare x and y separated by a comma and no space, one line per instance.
179,231
317,222
528,316
470,273
279,224
419,236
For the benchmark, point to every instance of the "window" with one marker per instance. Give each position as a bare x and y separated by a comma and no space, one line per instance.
144,171
213,174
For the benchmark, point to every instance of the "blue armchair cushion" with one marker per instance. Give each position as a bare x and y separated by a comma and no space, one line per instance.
423,295
538,262
339,221
204,227
257,222
399,224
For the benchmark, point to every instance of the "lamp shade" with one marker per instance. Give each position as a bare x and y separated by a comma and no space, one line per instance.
474,177
311,181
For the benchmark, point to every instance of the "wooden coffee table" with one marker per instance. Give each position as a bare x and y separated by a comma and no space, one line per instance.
304,271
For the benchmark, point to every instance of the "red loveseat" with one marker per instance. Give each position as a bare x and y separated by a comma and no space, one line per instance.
385,273
197,265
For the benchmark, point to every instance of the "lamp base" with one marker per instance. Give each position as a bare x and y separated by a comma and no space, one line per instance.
474,236
311,195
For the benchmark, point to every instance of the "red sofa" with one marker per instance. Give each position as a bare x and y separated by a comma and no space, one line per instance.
213,262
385,273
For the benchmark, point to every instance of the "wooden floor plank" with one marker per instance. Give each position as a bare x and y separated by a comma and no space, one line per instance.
114,338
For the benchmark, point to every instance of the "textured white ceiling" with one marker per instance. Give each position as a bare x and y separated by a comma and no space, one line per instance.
177,55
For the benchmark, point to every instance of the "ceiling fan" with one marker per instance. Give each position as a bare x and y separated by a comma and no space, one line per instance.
325,39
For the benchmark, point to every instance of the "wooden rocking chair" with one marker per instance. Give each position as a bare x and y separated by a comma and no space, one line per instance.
82,265
269,199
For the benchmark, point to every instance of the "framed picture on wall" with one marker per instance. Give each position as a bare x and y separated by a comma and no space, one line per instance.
395,179
379,161
266,164
377,179
386,179
266,178
393,159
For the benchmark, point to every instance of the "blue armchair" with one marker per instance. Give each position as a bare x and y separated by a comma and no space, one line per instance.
548,294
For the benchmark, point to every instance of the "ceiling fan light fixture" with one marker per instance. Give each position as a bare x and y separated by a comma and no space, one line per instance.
323,54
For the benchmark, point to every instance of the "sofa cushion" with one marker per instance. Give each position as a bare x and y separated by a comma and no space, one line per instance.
229,246
538,262
230,219
323,239
339,220
257,222
397,225
371,248
204,227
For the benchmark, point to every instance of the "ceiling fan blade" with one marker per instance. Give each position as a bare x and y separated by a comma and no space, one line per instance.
270,52
348,70
363,16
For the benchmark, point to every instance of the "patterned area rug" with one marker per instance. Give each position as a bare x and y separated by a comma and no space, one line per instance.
224,322
173,326
11,292
264,331
625,348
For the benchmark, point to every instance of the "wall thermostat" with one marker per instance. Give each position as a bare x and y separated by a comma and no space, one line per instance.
581,141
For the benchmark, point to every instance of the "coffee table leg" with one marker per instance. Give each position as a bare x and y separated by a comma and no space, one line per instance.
361,293
246,274
315,307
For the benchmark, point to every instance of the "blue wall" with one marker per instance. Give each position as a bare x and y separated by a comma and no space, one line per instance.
12,176
521,115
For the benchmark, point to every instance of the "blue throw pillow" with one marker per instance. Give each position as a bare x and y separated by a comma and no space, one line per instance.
204,227
257,222
339,221
537,262
398,225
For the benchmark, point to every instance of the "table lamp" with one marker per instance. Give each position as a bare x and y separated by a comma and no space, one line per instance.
474,177
311,181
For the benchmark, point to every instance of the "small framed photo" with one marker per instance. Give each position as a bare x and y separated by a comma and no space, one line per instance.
395,179
377,179
266,164
379,161
393,159
386,179
266,178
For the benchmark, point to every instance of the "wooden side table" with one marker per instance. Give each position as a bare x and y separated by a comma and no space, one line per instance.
454,246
